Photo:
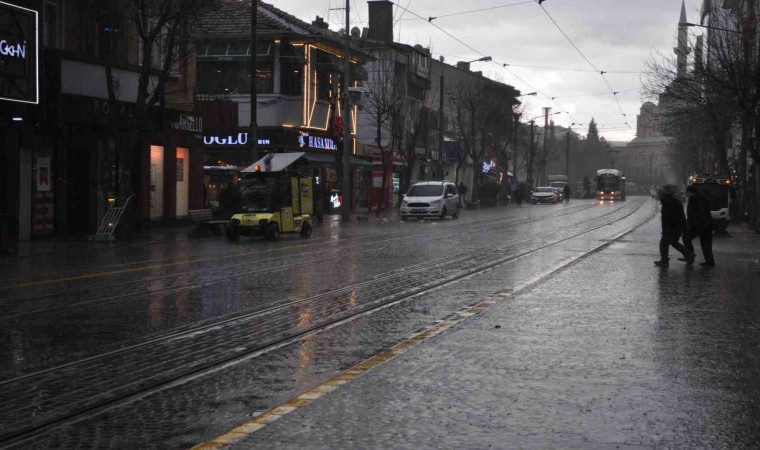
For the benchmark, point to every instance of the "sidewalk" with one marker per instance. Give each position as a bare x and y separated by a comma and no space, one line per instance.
609,353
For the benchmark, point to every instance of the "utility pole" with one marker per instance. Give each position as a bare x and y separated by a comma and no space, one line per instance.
440,128
347,147
542,166
516,126
567,154
531,154
253,139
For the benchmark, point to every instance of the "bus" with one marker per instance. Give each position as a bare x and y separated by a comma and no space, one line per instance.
610,184
718,191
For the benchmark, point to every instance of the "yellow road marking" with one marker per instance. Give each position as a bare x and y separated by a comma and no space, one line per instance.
248,428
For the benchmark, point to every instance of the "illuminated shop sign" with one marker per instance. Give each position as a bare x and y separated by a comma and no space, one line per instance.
19,55
190,123
239,139
322,143
14,50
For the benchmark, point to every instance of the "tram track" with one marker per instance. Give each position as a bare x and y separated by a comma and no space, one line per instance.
85,399
204,277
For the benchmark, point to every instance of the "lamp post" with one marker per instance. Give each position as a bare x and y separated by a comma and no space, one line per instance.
439,168
532,152
253,139
346,178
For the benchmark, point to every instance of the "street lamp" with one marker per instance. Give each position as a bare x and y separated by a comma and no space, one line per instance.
485,58
532,151
253,139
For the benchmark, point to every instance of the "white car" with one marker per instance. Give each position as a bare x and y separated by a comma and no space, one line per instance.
543,195
431,199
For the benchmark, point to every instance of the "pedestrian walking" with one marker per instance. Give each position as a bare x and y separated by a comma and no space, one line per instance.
519,194
462,192
673,225
652,191
566,193
699,224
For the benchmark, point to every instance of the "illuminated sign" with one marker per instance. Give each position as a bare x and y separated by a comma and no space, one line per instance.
17,50
322,143
232,139
19,55
190,123
336,200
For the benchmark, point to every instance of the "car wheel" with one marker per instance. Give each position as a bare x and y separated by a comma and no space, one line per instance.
306,230
272,232
233,233
443,213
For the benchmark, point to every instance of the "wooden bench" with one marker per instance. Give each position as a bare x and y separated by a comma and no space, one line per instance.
204,219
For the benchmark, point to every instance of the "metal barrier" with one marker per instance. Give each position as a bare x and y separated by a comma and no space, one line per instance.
110,222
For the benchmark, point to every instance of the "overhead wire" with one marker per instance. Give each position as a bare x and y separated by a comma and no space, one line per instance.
505,65
601,72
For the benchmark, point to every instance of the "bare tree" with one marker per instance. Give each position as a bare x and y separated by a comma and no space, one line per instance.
384,106
723,87
161,29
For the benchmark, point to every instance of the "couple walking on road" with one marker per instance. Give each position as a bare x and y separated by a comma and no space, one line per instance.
697,222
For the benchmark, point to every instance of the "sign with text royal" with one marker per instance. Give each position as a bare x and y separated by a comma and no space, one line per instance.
19,55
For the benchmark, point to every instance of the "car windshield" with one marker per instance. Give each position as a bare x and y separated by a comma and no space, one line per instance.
544,189
425,190
257,194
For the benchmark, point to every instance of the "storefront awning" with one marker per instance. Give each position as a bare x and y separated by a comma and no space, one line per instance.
320,158
330,159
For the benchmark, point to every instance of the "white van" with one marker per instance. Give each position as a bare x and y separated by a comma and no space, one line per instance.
431,199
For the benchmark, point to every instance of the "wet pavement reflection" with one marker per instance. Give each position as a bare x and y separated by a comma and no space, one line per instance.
609,324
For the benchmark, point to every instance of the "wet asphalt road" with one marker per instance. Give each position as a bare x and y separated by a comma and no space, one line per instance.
537,375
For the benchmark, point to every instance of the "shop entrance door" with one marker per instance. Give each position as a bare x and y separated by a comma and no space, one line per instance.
183,164
78,191
156,182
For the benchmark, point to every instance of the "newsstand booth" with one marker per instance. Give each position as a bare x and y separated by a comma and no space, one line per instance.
276,196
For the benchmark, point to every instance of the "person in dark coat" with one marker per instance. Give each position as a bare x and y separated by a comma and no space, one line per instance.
699,224
566,193
673,225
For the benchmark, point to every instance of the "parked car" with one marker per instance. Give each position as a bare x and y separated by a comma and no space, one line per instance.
431,199
543,194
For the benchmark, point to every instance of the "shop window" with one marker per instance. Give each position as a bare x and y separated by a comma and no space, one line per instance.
291,69
232,77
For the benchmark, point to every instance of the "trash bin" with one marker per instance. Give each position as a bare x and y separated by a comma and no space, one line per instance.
5,246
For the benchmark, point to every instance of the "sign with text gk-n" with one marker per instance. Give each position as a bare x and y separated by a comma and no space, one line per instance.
19,57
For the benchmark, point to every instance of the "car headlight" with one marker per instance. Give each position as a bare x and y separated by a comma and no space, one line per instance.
404,203
436,202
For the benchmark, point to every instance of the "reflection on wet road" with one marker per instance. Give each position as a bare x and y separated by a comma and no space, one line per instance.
143,319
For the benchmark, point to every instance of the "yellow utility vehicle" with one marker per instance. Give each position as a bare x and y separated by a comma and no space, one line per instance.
276,196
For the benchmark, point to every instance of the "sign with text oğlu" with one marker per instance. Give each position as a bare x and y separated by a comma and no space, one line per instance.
19,54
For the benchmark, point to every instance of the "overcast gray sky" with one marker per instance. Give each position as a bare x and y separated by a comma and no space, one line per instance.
616,36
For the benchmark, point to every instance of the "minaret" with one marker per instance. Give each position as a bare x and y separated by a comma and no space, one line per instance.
682,51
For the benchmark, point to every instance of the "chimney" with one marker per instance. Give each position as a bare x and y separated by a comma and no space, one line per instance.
380,20
320,23
463,65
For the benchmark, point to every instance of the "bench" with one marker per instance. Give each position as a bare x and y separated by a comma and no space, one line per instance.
204,219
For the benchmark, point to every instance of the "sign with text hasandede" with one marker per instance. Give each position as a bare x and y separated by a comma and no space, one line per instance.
19,55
